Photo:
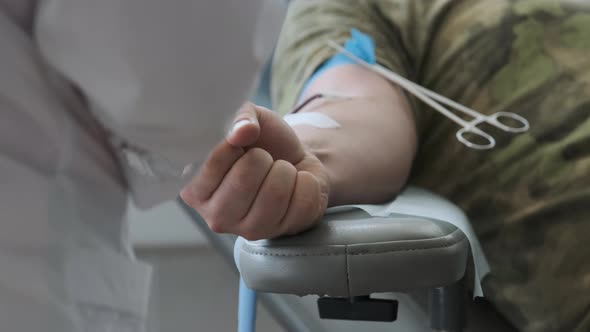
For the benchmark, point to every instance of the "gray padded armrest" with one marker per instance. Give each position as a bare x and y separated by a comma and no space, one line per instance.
351,253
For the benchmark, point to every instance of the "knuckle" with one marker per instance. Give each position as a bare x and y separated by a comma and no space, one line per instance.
215,222
216,227
214,216
251,232
243,184
285,165
259,155
189,198
280,190
247,175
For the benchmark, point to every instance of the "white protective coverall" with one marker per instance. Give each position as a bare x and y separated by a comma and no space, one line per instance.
99,99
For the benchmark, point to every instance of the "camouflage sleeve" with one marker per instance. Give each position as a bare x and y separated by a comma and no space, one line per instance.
310,24
528,198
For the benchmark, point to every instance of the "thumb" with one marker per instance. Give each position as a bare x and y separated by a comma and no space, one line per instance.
245,129
256,126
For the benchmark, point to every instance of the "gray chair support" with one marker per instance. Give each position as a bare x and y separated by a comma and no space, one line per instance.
352,255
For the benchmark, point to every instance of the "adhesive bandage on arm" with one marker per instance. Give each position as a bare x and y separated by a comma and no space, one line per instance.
314,119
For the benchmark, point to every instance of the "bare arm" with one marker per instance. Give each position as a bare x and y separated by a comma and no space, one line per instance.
266,179
368,159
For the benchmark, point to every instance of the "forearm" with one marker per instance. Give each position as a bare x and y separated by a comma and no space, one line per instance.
369,157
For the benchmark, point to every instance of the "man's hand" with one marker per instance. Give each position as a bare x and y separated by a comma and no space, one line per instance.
260,182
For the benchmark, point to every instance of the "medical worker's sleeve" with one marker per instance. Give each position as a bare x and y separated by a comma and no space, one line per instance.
164,78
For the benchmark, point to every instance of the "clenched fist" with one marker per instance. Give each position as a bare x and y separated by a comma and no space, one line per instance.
260,182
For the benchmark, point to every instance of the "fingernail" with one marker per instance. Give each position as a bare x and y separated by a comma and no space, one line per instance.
239,125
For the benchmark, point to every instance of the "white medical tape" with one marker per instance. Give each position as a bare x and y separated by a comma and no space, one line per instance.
315,119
